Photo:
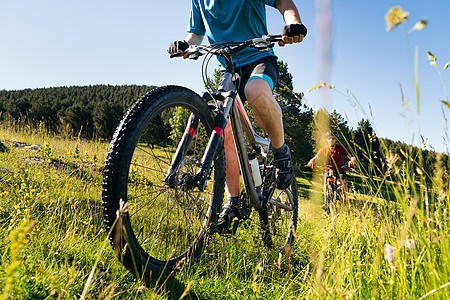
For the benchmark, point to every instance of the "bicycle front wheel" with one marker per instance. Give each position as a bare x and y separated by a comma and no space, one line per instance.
328,193
156,220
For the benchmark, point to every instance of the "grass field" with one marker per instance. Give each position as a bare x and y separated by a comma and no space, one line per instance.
54,245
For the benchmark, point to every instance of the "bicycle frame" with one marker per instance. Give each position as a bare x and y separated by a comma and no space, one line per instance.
227,105
333,175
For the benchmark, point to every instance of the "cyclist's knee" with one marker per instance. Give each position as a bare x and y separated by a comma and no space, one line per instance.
258,90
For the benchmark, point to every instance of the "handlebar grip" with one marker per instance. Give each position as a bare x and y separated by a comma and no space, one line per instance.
178,54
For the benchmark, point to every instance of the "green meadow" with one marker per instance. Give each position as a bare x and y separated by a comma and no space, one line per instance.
391,240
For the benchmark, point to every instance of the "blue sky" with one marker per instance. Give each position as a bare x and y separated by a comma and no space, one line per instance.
52,43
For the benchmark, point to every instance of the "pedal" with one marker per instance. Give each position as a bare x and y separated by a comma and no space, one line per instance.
230,229
235,227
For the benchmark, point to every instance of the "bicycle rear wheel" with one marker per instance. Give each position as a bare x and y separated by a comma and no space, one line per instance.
157,223
279,221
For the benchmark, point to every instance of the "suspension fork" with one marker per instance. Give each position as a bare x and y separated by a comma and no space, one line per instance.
199,179
216,138
183,146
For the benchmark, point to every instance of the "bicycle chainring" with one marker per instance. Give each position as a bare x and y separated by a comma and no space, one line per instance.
244,206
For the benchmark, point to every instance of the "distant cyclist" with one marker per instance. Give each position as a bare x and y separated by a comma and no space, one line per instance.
333,156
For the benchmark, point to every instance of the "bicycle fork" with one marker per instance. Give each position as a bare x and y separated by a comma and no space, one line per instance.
198,180
183,146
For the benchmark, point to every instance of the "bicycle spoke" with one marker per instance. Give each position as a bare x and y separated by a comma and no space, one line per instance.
146,204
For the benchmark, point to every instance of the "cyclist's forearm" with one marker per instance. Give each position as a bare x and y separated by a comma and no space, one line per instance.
313,160
194,39
289,11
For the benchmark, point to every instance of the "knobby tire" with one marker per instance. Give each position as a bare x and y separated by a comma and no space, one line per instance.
154,227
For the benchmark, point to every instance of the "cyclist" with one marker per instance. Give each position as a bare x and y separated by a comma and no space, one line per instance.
226,21
334,155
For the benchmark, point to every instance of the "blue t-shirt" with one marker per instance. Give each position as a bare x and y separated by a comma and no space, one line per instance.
225,21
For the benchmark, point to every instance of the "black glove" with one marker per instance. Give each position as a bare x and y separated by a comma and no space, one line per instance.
294,29
177,46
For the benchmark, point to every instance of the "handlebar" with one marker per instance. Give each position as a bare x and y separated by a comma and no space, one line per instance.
331,166
262,43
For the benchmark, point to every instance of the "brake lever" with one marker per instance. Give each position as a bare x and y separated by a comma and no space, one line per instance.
193,52
266,42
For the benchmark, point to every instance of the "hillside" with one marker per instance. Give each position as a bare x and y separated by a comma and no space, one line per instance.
89,111
93,112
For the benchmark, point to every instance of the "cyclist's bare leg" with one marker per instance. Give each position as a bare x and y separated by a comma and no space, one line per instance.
232,163
268,116
266,110
268,113
230,208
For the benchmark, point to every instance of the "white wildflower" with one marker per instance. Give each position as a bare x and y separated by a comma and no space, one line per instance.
389,254
410,244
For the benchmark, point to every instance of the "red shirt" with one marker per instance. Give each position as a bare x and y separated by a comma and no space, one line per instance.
335,157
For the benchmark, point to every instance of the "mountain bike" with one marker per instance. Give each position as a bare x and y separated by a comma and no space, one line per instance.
164,177
333,189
